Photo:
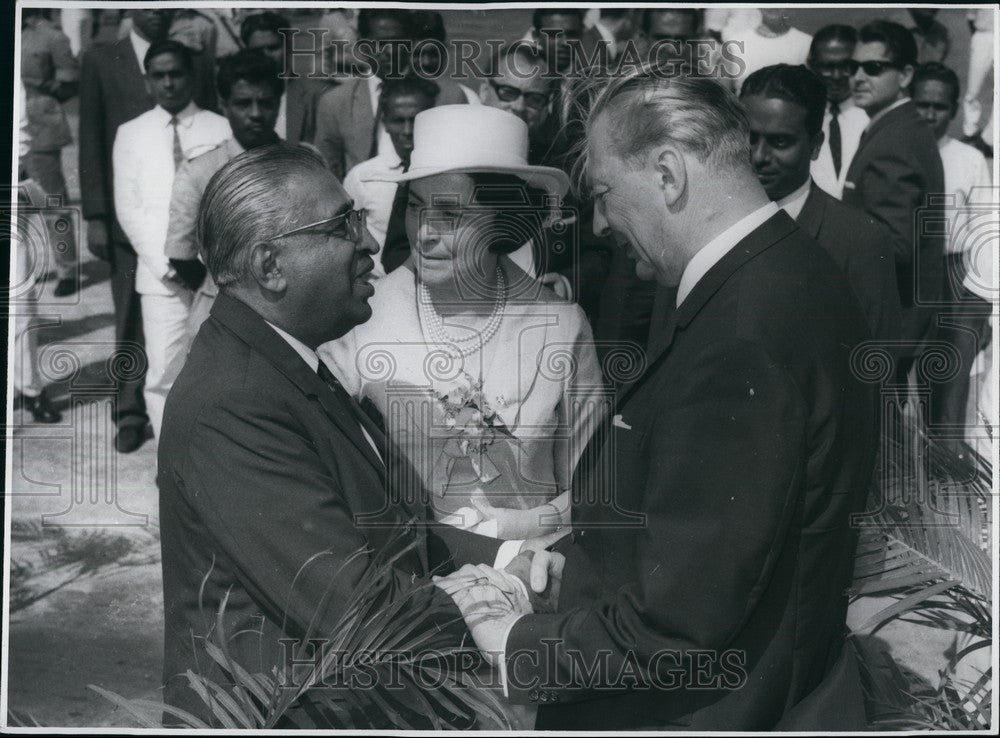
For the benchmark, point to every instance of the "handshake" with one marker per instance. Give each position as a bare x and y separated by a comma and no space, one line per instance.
491,601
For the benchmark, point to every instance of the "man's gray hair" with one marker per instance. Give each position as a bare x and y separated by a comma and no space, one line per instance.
244,205
651,107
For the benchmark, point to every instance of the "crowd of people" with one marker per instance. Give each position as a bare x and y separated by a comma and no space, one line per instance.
370,298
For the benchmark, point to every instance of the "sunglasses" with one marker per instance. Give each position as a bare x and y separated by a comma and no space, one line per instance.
355,222
870,68
510,94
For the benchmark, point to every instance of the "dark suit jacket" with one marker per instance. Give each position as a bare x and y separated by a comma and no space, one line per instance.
260,472
345,122
744,446
862,248
896,167
300,110
112,92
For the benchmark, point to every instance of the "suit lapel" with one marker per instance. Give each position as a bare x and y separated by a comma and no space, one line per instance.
811,217
764,236
254,331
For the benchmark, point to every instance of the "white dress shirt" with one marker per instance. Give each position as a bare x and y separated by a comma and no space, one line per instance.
609,38
881,113
793,202
281,123
967,178
719,246
852,121
373,196
140,46
382,135
143,161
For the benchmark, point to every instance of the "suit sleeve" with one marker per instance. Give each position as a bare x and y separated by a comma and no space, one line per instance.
95,180
893,191
329,138
300,562
185,197
711,537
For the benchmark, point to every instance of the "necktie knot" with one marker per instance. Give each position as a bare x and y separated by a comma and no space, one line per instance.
835,109
327,376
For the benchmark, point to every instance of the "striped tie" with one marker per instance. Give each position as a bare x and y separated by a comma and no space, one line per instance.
178,151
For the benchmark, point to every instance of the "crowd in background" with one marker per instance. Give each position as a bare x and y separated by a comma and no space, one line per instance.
849,134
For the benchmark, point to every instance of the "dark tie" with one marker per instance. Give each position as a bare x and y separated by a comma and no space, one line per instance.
178,151
835,142
344,400
397,246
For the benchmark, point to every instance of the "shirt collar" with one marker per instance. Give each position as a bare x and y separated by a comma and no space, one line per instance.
185,118
944,141
843,106
308,355
881,113
140,46
793,202
719,246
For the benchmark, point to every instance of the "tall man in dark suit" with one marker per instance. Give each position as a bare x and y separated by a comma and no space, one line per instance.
785,105
896,167
271,478
705,588
113,91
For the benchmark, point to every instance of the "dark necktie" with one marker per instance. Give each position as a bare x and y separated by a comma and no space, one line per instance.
835,142
178,151
397,246
345,401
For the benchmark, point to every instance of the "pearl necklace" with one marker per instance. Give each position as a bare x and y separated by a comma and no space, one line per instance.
435,325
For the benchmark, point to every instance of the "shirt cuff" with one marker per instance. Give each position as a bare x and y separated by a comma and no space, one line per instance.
506,553
503,652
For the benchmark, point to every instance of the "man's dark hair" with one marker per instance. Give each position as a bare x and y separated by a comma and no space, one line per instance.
519,206
428,24
266,21
408,86
937,72
251,67
899,42
169,46
796,84
833,32
368,16
537,18
528,51
694,15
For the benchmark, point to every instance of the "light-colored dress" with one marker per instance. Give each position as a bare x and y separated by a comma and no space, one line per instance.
539,374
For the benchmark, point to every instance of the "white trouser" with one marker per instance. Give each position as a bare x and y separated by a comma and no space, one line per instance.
165,325
32,245
980,64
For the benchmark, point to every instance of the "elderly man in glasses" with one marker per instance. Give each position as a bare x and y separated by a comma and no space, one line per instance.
273,496
897,165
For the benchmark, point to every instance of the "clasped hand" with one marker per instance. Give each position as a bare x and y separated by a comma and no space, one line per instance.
491,601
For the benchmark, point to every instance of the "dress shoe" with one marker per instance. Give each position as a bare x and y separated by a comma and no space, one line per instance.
40,408
129,438
66,287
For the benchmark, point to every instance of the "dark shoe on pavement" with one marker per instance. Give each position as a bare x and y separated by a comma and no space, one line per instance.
40,408
66,287
129,438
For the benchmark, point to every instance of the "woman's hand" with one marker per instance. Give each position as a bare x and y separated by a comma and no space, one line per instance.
517,524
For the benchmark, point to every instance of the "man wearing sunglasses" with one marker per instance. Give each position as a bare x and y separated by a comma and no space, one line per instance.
843,121
520,84
896,167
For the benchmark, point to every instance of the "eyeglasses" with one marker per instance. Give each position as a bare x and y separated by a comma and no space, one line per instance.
871,68
355,222
510,94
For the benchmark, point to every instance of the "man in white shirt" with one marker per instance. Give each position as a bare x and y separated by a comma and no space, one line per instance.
967,184
147,151
843,121
400,102
774,41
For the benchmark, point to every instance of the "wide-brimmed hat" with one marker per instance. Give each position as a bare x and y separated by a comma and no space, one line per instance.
474,138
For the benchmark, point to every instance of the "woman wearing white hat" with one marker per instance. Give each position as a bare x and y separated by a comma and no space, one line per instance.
487,381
